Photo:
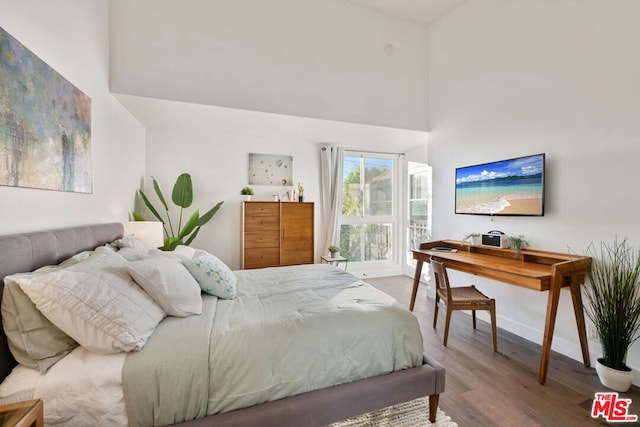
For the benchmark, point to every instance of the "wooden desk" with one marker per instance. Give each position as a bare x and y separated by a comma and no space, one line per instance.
22,414
536,270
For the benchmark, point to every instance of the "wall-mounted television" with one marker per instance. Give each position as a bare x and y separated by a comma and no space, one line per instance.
513,187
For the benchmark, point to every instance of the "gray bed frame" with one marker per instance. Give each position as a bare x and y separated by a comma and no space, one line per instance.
29,251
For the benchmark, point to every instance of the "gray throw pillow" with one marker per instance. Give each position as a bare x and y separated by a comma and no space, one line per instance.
34,341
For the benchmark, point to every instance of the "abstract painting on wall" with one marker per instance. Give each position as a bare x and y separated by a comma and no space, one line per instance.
45,124
269,169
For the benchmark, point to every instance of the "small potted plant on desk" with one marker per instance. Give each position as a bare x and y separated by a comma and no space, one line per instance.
247,192
614,308
517,244
334,251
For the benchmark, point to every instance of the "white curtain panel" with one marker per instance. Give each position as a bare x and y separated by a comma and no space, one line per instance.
331,159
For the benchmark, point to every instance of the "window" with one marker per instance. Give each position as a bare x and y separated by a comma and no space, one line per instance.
369,221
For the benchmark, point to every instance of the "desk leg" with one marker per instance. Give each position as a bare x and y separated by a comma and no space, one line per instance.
416,282
576,296
39,415
549,326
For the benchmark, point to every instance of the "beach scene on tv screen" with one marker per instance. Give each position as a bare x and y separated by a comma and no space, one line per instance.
509,187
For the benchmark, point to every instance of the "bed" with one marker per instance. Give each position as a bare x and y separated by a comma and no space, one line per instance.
311,403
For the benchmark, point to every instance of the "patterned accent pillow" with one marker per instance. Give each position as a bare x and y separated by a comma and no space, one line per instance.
213,276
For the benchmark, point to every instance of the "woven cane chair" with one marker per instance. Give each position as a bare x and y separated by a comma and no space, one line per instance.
460,298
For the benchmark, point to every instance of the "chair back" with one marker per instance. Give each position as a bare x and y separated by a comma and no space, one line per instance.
442,279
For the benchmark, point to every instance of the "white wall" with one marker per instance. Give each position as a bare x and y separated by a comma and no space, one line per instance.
213,144
519,77
72,37
312,58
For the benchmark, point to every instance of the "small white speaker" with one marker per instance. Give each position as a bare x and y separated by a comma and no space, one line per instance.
495,240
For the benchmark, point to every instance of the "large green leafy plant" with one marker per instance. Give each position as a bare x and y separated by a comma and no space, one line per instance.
181,196
614,299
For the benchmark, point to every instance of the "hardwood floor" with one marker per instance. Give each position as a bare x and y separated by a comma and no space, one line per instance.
484,388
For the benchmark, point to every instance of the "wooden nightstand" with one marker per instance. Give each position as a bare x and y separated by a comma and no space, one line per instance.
22,414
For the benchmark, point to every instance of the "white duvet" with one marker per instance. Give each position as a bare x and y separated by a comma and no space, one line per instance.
80,380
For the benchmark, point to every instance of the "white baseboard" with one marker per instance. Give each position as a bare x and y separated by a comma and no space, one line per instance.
560,345
364,270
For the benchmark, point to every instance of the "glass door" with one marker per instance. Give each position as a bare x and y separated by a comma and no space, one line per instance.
418,220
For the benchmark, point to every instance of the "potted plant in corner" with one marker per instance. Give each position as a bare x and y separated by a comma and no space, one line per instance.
182,197
614,308
333,251
247,192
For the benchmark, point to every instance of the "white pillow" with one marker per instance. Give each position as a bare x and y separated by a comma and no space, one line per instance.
180,253
169,284
79,257
131,254
213,275
96,303
184,252
132,243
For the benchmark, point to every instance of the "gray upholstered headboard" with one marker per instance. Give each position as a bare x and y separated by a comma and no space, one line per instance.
29,251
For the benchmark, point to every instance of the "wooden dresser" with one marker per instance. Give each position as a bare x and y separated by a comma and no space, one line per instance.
277,233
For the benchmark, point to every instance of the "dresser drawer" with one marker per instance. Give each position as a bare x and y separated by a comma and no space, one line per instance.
262,209
257,258
259,223
262,239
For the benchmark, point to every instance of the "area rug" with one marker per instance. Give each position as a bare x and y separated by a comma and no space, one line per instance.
408,414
